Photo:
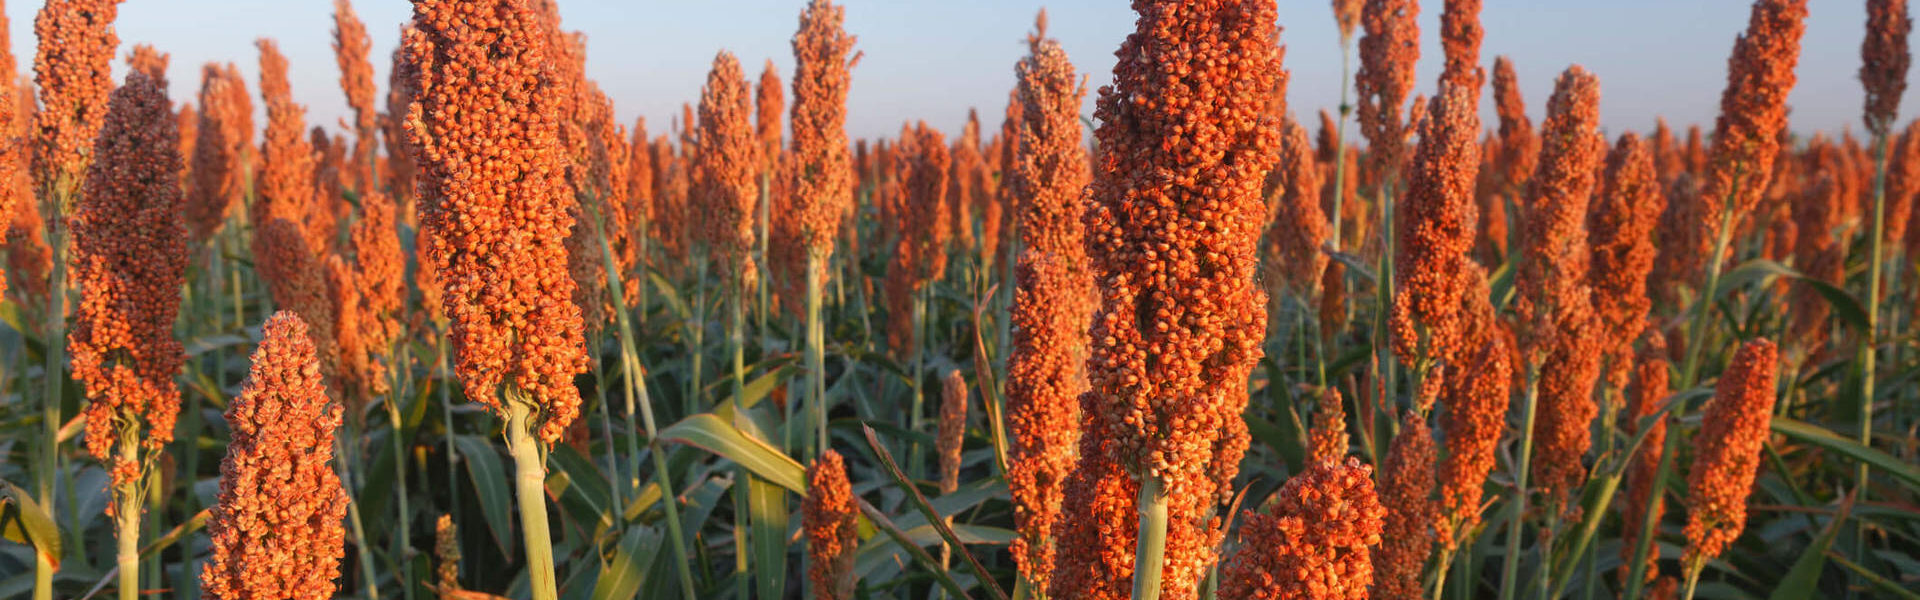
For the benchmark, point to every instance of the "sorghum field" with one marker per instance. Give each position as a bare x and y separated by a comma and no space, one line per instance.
480,340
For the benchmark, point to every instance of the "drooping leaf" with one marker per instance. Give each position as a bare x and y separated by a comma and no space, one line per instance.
490,485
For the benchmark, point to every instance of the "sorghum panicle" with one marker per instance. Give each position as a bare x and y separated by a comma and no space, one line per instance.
1474,400
729,166
276,524
1298,226
953,429
1435,222
1327,438
1883,62
1519,147
1733,427
350,49
1387,56
497,236
1557,326
130,263
823,189
284,187
1620,223
1650,387
1173,234
74,78
1460,34
828,517
1752,112
1314,542
1406,490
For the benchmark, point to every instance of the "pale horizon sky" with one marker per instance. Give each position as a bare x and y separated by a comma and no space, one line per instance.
933,60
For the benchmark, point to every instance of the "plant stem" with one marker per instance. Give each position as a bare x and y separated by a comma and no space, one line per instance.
1150,554
400,483
362,548
914,419
1510,570
529,478
1339,145
698,335
55,336
1869,343
446,406
816,355
127,517
1693,578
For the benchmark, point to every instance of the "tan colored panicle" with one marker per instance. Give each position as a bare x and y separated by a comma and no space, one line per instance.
827,516
1174,217
728,167
74,77
446,555
1406,484
1733,427
130,263
1474,400
497,236
350,50
1435,222
1299,227
1460,34
1313,542
1052,298
1621,226
276,524
768,102
1387,56
284,187
1883,62
1649,389
1327,439
1558,326
1752,111
1519,147
953,429
1346,14
822,188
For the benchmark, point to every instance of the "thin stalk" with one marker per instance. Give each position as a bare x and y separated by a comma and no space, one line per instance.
914,419
636,384
1150,553
1693,578
446,406
363,550
56,350
736,337
606,412
1510,570
764,269
1440,574
816,354
1637,570
403,534
127,518
1339,143
1869,344
698,336
530,473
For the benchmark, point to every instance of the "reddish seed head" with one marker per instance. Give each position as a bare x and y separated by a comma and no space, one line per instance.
1519,148
350,47
1650,388
1346,14
497,236
1313,543
823,188
1043,175
14,119
296,279
1460,34
1387,56
768,101
1752,112
1733,427
1436,219
1625,212
729,166
1474,400
827,514
1173,230
151,61
74,78
381,271
401,78
285,187
1298,226
953,429
1327,439
130,262
1883,62
276,523
1406,489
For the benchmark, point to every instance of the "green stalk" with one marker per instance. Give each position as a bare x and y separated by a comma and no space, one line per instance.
914,419
127,517
697,337
530,473
736,337
446,406
361,547
636,385
1510,569
606,411
1150,553
55,338
1869,344
1693,578
816,354
400,480
1339,143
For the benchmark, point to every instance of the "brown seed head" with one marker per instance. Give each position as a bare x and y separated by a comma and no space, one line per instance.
1650,388
1327,439
151,61
823,190
1346,14
1475,396
446,554
768,102
297,281
1313,543
953,429
74,77
1519,148
1460,34
285,186
1883,62
401,78
14,120
1298,226
827,514
728,166
497,235
1903,183
130,262
1406,490
276,524
1174,218
381,270
1733,427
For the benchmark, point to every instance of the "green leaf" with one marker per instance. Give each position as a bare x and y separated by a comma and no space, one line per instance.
490,485
23,521
1819,436
708,432
622,576
204,344
578,484
1759,270
1804,579
769,508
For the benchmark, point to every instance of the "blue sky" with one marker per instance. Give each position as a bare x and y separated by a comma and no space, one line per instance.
935,59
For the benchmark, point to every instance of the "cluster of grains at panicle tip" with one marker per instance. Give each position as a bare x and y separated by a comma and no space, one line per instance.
1436,219
350,49
823,188
1625,211
285,186
1327,438
828,517
497,235
215,172
74,78
1387,56
729,166
952,430
1314,541
1752,112
1884,58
